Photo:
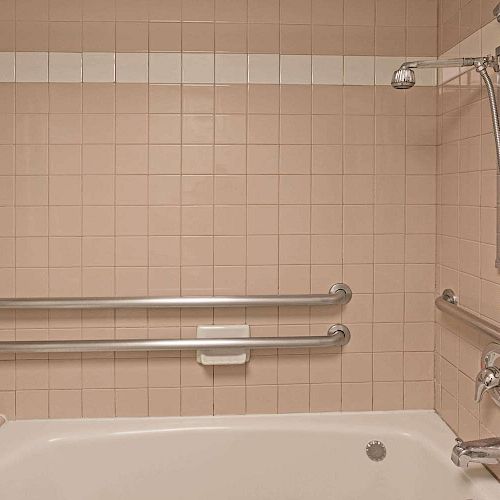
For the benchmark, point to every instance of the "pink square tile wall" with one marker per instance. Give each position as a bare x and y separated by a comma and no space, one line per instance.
156,178
466,225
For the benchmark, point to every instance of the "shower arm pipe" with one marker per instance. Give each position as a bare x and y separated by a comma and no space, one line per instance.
442,63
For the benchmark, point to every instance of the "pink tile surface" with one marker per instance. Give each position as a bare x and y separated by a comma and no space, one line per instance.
465,235
167,189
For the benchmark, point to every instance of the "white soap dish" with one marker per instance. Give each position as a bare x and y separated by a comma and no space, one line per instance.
223,356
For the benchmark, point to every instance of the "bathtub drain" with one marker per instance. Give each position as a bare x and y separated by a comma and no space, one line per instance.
376,451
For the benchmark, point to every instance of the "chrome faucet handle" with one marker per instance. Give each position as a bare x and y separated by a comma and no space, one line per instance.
487,379
481,451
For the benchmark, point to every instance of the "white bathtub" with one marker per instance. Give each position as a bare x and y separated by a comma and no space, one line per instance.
230,458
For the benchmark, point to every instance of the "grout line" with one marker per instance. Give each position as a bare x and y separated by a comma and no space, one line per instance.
114,356
14,223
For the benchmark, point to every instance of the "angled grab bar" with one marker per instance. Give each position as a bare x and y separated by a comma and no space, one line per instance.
338,294
448,303
338,335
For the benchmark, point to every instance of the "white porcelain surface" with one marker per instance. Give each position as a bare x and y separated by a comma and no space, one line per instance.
218,356
299,457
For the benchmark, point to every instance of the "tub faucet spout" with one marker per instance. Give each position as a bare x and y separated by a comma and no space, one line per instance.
482,451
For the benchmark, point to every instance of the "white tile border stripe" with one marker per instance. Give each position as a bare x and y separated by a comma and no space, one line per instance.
65,67
359,70
198,68
231,68
165,67
132,67
328,70
201,68
264,68
384,68
98,67
32,67
295,69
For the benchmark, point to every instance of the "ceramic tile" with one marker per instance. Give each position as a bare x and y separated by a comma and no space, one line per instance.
131,68
327,70
164,68
359,70
198,68
65,67
231,68
98,67
295,69
32,67
263,68
7,66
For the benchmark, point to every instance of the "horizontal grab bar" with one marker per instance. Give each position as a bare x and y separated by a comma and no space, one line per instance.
448,303
338,294
338,335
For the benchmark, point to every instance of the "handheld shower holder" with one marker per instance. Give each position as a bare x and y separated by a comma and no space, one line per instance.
489,61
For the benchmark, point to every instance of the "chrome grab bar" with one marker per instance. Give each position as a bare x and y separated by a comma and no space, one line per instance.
338,294
448,303
338,335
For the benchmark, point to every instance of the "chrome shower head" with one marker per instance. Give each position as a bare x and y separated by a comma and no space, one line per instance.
403,78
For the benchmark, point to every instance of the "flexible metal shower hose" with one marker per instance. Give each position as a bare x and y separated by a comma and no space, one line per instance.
496,133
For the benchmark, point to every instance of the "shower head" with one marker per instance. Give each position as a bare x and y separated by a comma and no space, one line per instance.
403,78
